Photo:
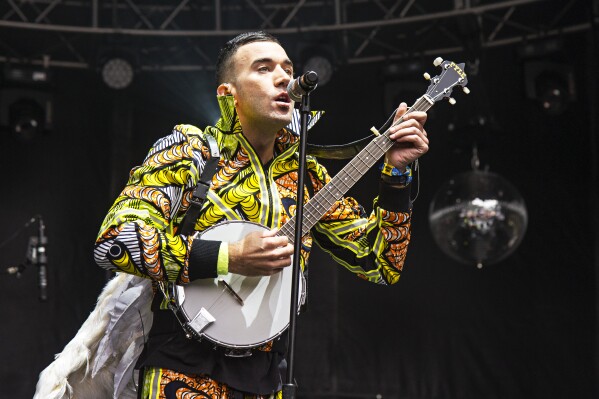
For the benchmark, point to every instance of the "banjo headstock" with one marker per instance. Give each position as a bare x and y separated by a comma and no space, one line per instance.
442,85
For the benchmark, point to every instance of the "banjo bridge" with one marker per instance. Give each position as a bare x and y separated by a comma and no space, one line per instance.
231,291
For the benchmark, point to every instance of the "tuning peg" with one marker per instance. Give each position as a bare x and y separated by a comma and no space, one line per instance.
438,61
452,100
426,76
466,90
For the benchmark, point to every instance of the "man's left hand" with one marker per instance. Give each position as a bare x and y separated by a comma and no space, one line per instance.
410,138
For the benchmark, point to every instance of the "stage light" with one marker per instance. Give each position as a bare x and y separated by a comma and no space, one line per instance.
319,57
401,70
26,101
552,92
117,73
322,66
551,84
26,119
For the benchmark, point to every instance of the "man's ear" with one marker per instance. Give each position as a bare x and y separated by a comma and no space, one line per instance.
223,89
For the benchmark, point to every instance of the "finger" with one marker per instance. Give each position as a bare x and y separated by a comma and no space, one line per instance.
270,233
274,239
401,110
285,251
270,243
407,149
289,249
406,124
281,263
415,139
408,131
420,116
275,266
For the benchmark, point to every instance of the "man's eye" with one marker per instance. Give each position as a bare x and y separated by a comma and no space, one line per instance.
263,69
289,72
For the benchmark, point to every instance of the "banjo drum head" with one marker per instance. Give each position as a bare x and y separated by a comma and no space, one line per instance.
264,314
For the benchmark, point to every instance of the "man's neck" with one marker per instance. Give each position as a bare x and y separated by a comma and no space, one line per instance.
262,140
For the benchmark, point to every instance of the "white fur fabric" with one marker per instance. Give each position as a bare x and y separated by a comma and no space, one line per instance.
98,362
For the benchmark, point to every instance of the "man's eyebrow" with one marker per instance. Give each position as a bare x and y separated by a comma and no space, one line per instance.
287,61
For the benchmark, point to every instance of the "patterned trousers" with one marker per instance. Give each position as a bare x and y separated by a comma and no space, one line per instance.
167,384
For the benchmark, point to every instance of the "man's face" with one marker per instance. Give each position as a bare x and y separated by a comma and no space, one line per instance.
261,73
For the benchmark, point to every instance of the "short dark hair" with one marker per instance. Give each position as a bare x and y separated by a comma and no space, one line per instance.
223,64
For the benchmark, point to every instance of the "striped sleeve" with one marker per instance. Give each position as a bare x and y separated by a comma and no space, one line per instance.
138,235
374,246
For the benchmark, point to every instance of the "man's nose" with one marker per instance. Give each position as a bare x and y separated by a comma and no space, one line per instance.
282,77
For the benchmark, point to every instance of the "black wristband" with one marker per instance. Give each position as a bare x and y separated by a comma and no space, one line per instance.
395,199
203,259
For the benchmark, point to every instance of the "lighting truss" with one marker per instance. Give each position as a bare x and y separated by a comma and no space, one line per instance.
164,35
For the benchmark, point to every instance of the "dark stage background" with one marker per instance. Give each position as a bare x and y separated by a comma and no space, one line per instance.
520,329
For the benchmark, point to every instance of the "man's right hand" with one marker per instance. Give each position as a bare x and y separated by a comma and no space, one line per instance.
260,253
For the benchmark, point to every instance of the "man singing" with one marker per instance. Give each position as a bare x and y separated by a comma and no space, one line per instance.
256,180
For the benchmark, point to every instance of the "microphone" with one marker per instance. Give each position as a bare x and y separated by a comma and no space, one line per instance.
41,260
302,85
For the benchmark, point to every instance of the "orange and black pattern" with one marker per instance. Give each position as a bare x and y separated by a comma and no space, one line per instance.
167,384
139,234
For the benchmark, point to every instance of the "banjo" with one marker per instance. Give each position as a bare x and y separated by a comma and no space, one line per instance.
240,312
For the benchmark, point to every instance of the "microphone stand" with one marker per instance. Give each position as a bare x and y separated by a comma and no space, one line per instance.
289,388
36,255
20,268
19,230
41,260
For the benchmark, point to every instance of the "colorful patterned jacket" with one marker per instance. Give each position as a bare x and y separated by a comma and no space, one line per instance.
139,234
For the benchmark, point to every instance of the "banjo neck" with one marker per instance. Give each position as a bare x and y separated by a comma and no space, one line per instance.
441,86
347,177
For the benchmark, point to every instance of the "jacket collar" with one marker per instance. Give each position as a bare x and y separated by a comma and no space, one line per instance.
228,123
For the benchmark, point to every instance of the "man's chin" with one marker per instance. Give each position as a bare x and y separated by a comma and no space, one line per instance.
285,118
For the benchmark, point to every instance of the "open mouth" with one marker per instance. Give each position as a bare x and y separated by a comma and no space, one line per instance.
283,98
